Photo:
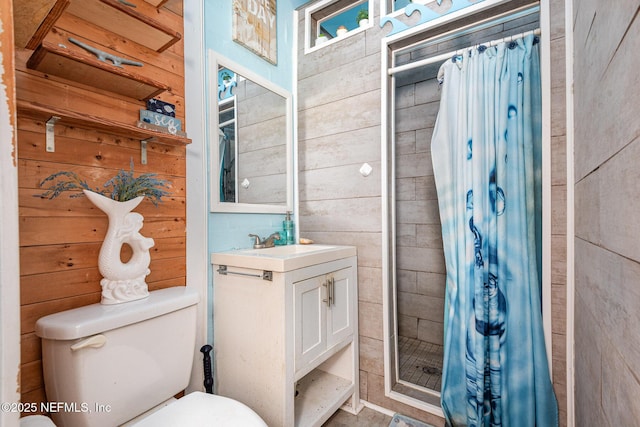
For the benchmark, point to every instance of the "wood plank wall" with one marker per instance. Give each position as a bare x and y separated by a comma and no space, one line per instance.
338,130
60,239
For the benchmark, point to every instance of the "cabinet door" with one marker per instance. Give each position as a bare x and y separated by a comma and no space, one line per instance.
340,313
310,319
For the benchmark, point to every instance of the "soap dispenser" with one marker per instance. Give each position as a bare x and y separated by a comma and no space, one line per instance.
288,230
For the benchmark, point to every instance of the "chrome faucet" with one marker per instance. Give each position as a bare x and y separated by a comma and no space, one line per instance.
264,243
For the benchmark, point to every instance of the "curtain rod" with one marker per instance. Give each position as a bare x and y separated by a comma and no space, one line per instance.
482,24
443,57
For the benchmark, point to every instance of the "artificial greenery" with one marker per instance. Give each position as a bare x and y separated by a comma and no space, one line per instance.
362,14
122,187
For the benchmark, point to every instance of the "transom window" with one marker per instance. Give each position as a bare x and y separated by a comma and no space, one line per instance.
332,20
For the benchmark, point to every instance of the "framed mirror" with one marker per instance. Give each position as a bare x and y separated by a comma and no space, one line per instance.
250,136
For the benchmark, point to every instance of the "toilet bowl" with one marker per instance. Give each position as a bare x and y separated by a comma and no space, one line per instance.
194,410
111,365
199,409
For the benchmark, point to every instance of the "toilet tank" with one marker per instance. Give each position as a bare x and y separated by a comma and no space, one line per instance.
106,364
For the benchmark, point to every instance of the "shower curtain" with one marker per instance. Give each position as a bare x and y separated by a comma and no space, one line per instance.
486,159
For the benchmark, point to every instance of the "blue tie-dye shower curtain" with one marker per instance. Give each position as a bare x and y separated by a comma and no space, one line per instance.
486,158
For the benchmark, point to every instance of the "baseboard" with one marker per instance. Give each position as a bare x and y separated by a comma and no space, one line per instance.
377,408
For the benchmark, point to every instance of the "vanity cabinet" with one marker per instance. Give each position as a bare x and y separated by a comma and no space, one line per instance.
322,310
286,342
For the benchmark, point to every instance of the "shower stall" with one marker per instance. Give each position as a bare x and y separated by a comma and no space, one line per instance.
416,267
420,269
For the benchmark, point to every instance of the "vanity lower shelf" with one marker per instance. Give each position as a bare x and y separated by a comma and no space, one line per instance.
320,393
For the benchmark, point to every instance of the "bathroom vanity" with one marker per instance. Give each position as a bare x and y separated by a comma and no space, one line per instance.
285,323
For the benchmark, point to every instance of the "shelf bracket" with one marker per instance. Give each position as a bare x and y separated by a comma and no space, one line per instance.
143,149
50,136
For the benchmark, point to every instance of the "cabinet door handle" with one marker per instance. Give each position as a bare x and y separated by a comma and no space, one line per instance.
327,287
332,292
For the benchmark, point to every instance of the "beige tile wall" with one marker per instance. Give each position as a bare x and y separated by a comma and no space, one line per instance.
420,259
607,247
558,207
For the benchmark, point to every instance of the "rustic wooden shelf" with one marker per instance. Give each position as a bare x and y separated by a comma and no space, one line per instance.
156,3
34,18
87,121
62,58
127,21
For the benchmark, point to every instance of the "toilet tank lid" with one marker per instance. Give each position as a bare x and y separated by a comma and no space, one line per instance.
97,318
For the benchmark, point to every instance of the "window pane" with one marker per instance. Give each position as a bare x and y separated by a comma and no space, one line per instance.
346,18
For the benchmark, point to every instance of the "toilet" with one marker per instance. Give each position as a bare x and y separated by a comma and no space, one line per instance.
112,365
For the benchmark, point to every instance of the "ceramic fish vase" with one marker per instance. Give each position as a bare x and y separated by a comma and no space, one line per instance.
122,281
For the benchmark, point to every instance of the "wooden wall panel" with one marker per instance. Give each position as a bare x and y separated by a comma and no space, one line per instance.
60,239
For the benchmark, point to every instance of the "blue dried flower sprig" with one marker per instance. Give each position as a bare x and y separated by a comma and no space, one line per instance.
122,187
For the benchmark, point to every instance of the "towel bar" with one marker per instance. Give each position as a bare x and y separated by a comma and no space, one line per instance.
266,274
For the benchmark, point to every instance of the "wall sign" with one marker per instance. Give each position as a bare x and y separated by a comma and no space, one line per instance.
254,27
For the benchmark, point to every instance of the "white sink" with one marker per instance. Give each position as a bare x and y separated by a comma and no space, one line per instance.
288,250
282,258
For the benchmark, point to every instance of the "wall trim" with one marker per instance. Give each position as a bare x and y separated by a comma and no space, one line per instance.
197,206
9,224
294,127
570,135
545,73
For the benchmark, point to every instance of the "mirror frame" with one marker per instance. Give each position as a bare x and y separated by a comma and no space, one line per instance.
214,61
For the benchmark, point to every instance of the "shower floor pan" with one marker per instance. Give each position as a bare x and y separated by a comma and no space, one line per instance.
420,362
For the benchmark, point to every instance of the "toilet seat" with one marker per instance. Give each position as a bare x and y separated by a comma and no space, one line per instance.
197,409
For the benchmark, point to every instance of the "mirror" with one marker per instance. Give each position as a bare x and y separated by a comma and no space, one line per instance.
251,141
